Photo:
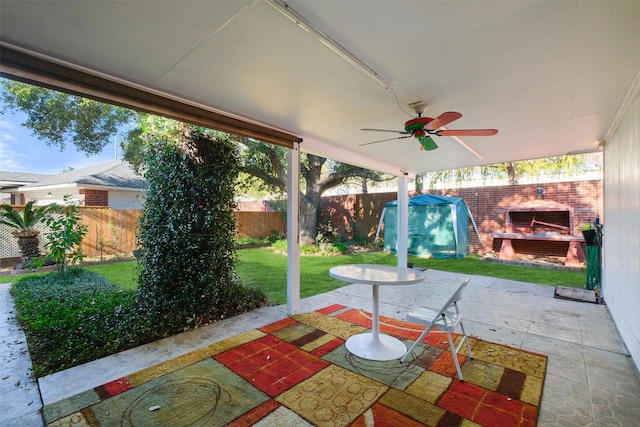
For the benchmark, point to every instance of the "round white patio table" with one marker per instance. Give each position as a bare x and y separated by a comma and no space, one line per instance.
374,345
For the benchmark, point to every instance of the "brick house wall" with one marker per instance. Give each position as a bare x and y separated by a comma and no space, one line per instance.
95,197
358,215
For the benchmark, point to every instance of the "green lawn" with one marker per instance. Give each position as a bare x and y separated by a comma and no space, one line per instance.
263,268
123,274
267,270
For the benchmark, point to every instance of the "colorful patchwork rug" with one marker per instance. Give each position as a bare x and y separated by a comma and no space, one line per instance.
297,372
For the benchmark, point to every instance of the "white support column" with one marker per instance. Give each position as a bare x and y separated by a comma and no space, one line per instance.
403,221
293,230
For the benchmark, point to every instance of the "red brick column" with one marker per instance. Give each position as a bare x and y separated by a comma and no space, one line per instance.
95,197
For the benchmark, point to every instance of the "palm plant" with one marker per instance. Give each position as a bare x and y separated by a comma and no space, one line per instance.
24,223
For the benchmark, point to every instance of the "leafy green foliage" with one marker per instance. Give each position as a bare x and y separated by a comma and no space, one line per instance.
24,223
247,241
56,117
328,234
329,249
23,220
186,234
338,248
65,235
74,318
513,172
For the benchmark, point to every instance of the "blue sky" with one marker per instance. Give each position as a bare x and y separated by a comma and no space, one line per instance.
22,152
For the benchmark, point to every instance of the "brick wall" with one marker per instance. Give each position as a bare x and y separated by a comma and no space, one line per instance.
358,215
95,197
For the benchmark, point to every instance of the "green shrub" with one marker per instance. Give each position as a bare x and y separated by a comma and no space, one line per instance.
73,318
337,248
66,232
310,249
328,234
280,246
275,235
361,241
247,241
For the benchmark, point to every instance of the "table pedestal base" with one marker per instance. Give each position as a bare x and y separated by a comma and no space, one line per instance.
383,348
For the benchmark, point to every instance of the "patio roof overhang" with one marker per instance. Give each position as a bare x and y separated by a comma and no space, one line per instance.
46,72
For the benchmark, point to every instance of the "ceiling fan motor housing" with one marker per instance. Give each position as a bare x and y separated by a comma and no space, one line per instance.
416,124
416,127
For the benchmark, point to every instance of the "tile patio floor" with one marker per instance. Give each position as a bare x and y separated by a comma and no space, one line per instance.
591,380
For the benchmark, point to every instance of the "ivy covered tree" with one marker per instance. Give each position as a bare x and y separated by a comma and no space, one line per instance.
186,233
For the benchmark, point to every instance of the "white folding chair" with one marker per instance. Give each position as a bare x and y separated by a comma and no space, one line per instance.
446,318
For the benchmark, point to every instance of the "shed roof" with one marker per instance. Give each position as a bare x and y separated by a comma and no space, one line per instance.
429,199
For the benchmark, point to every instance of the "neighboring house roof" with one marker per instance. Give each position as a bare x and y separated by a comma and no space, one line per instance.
116,173
12,180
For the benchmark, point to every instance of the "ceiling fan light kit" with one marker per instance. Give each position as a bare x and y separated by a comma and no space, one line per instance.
426,143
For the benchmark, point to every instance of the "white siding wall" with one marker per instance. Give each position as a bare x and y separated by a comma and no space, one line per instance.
126,199
621,251
41,198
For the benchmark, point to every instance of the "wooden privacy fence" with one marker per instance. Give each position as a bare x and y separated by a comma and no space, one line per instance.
260,224
113,232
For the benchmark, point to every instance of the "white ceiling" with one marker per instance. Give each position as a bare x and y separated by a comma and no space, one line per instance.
550,76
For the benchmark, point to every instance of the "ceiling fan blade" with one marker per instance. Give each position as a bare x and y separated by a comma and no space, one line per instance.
383,140
467,132
443,120
387,130
427,143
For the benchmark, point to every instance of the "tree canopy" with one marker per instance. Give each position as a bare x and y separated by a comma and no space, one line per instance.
57,118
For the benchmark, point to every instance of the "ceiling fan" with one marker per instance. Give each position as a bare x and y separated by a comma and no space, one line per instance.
422,128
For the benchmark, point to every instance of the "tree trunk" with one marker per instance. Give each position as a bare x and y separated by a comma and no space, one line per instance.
419,183
311,201
512,173
308,222
29,248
